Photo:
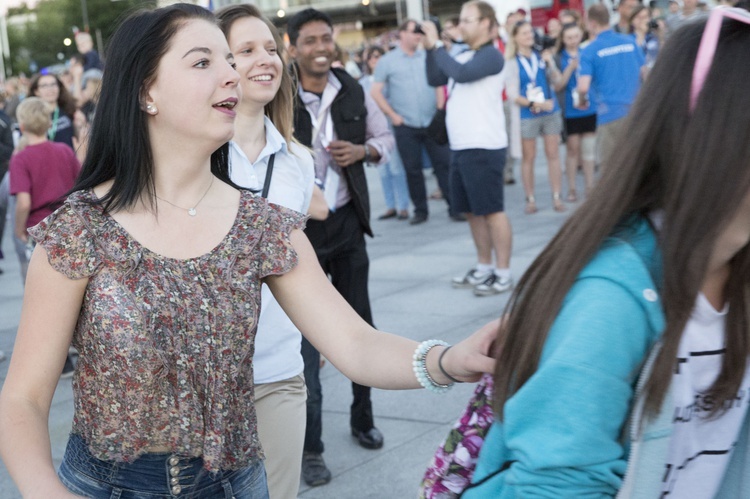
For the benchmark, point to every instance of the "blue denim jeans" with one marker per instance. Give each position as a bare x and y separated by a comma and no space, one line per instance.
156,476
393,178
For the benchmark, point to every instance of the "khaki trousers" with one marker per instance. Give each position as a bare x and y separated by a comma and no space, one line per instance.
608,136
282,413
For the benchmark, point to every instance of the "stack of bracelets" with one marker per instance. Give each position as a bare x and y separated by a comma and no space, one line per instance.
420,366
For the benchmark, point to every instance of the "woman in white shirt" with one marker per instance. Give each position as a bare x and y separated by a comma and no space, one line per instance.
265,157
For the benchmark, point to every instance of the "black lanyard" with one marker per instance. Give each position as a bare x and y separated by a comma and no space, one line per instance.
269,173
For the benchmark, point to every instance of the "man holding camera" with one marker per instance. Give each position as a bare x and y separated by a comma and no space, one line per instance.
410,105
478,142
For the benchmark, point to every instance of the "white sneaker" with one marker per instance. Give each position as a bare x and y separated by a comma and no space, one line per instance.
493,285
471,279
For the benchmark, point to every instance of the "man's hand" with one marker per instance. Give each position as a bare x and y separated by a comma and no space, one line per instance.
345,153
430,34
397,119
445,37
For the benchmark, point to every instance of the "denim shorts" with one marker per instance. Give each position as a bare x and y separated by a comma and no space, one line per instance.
477,181
156,475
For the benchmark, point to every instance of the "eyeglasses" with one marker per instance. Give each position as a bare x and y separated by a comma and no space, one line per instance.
469,20
707,48
47,85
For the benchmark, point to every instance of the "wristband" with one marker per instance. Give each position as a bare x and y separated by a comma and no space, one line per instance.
368,158
419,365
442,369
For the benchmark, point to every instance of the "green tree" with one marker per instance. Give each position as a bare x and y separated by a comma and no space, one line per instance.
38,43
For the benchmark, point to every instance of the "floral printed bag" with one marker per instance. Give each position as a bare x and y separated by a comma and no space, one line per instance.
453,464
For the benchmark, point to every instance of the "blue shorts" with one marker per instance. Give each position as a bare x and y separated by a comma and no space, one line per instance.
477,181
155,476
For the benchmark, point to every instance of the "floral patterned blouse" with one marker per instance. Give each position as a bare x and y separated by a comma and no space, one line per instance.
166,345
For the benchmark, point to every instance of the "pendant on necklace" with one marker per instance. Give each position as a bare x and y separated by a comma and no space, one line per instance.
192,212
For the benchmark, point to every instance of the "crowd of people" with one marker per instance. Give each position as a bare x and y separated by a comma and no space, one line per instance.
200,227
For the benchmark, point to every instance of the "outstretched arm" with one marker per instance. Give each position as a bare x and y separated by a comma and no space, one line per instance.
486,62
50,310
362,353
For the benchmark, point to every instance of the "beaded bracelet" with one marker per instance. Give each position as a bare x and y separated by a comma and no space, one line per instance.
420,366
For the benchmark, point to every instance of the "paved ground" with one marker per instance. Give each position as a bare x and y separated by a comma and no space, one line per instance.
410,274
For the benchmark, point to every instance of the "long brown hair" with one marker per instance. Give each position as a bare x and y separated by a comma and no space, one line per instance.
693,169
281,109
65,100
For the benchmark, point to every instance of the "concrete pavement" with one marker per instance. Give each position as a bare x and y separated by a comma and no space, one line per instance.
411,268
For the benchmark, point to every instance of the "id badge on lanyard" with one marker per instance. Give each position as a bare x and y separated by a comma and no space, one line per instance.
534,92
325,133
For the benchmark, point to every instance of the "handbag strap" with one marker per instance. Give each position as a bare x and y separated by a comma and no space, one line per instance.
448,94
269,173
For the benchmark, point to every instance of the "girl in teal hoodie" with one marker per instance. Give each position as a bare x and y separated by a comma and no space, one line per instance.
623,369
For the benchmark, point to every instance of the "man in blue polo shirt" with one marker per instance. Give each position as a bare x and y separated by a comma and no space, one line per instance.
410,105
611,69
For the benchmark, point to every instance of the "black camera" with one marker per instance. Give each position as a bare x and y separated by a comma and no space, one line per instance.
435,20
543,42
653,24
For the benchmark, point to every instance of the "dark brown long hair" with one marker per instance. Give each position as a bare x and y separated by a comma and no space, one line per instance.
281,109
119,145
692,167
65,100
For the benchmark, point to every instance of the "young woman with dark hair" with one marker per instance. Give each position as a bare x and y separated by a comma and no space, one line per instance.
580,124
50,89
153,268
650,277
640,24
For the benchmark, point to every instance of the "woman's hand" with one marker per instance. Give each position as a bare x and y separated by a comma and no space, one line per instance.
547,105
467,360
547,56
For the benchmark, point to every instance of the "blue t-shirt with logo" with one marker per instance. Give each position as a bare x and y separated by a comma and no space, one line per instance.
614,63
570,110
526,67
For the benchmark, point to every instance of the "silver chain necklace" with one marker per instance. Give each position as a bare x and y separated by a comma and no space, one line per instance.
191,211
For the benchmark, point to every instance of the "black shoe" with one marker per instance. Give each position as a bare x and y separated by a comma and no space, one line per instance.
370,439
458,217
314,469
388,214
68,369
418,219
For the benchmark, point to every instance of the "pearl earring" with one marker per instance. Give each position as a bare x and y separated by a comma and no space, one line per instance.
151,109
